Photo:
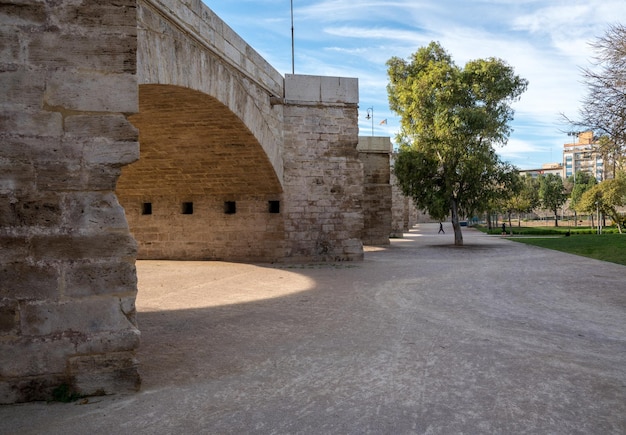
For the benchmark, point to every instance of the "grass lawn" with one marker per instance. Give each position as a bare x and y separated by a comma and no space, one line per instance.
609,246
605,247
547,231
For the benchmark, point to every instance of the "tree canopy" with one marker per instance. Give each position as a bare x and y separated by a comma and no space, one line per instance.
524,196
451,120
607,197
603,108
552,194
580,183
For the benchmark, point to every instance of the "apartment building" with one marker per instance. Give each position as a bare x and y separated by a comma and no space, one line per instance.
547,168
583,156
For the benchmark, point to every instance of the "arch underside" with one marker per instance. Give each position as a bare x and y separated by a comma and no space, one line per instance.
194,150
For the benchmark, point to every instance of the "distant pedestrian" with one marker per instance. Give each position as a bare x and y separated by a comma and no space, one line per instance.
503,229
441,228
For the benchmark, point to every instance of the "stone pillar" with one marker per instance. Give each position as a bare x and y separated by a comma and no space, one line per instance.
403,211
323,177
67,273
374,154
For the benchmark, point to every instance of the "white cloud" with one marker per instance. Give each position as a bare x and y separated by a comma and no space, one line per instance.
546,42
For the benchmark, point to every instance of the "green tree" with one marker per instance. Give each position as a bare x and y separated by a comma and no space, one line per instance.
451,119
552,194
525,196
606,197
580,183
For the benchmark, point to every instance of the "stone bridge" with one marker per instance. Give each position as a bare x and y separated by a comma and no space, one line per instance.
149,129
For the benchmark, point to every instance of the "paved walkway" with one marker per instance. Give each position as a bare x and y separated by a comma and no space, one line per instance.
422,337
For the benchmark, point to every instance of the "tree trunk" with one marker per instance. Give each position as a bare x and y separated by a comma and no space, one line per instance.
510,226
458,235
556,218
489,220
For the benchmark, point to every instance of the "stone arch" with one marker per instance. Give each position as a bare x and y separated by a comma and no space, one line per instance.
204,54
203,187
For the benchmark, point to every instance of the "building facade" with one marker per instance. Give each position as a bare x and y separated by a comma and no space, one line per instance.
583,156
547,168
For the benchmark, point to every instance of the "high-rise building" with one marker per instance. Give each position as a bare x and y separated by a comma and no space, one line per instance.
583,156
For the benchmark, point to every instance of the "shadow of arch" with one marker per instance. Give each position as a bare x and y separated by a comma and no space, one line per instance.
196,156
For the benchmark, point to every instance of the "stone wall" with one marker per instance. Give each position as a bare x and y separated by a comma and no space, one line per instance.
377,200
70,86
67,274
196,156
253,230
183,43
404,214
323,176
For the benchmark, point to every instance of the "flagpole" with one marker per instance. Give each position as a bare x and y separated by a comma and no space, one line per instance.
293,68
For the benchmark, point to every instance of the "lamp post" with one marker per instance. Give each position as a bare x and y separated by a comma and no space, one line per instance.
293,62
574,134
370,115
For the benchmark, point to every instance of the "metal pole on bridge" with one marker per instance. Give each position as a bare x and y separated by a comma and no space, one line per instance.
293,68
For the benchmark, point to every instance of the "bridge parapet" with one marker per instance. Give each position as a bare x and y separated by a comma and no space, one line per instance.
202,25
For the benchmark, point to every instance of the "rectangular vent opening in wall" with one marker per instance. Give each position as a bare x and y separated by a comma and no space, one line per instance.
187,208
230,207
274,206
146,208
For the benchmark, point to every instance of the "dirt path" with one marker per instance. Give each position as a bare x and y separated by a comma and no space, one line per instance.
421,337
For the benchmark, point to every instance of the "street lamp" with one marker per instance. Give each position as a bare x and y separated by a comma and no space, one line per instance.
370,115
293,62
574,134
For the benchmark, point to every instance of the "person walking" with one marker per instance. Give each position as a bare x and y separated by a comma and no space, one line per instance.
441,228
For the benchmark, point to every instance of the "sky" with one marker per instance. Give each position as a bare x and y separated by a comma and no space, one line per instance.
546,42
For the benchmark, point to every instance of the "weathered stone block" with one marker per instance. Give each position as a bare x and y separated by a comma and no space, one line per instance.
25,281
81,247
32,123
303,88
109,341
24,357
93,212
22,89
26,389
9,47
91,91
101,178
73,177
24,13
13,248
88,278
9,317
105,17
107,152
88,316
36,212
16,178
49,149
105,374
115,53
59,176
113,127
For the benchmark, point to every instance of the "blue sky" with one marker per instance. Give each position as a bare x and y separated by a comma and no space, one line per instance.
546,42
